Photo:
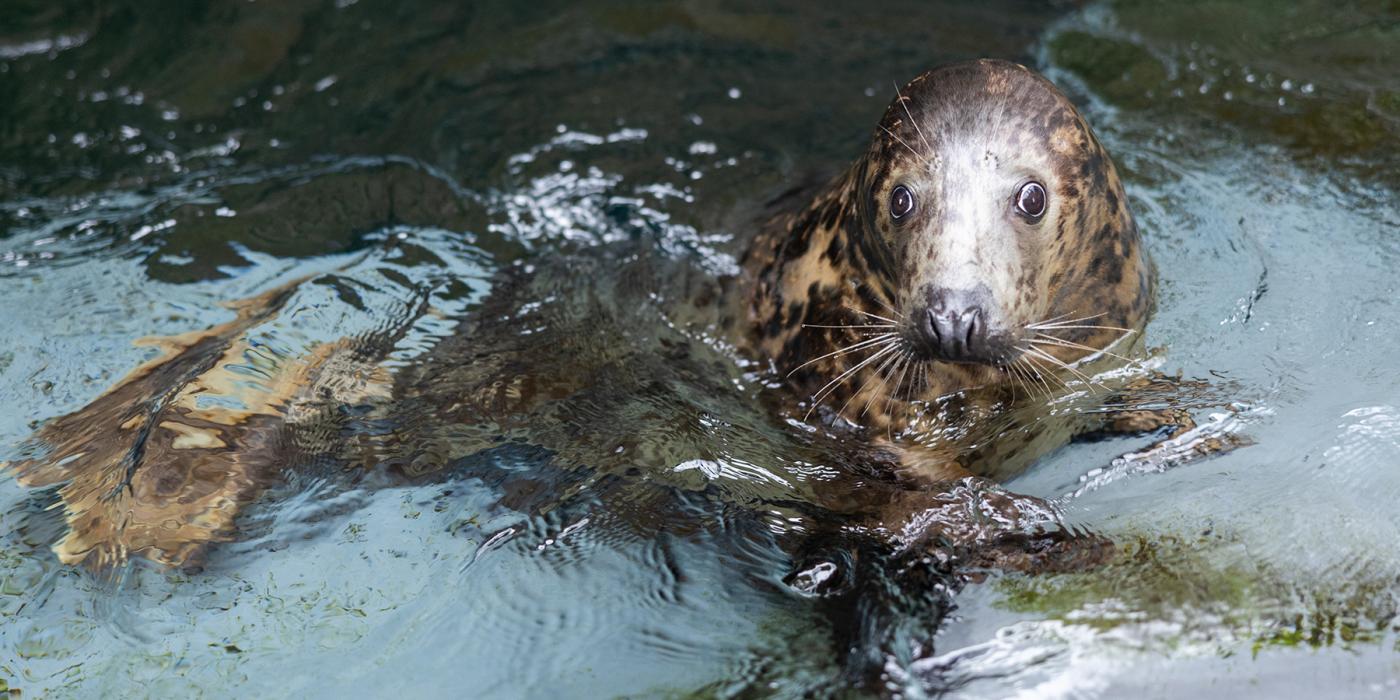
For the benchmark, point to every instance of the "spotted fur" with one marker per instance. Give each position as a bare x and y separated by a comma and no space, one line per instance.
962,138
148,469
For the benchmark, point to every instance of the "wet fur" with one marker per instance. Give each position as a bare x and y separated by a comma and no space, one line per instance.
839,261
148,471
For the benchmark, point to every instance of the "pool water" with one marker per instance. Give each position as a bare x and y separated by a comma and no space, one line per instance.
607,159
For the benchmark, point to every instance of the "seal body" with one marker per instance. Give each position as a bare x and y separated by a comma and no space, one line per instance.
917,296
979,248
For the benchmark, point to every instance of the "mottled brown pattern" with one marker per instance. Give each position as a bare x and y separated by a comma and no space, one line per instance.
1083,258
148,470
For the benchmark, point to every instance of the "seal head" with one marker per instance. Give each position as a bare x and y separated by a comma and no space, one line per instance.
996,209
984,232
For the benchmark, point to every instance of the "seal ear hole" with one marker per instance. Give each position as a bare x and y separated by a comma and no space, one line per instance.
1031,200
901,202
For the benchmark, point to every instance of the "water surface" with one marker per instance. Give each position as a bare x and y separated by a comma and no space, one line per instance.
158,159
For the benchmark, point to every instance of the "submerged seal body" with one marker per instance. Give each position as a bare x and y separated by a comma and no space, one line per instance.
979,247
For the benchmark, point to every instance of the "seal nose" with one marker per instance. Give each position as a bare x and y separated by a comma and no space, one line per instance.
954,325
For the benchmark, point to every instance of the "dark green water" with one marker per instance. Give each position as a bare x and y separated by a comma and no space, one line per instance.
159,158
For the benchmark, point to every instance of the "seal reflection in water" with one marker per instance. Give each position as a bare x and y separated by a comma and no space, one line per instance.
957,274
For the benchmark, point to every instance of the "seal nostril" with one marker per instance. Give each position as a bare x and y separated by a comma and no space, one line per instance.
956,325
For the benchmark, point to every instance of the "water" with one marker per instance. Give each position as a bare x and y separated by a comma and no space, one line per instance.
157,161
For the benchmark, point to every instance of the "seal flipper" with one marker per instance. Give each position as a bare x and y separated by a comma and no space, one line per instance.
978,525
136,463
1140,411
150,470
887,582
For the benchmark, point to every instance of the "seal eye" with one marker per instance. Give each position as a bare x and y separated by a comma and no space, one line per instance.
1031,200
901,202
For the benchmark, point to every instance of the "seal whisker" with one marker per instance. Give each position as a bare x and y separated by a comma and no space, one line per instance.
822,392
1041,373
1060,342
1006,371
1053,319
1023,365
1008,379
904,102
1016,373
1120,329
1053,323
875,340
891,363
903,372
885,305
889,400
1034,381
1038,379
879,372
874,325
1057,361
911,148
867,313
